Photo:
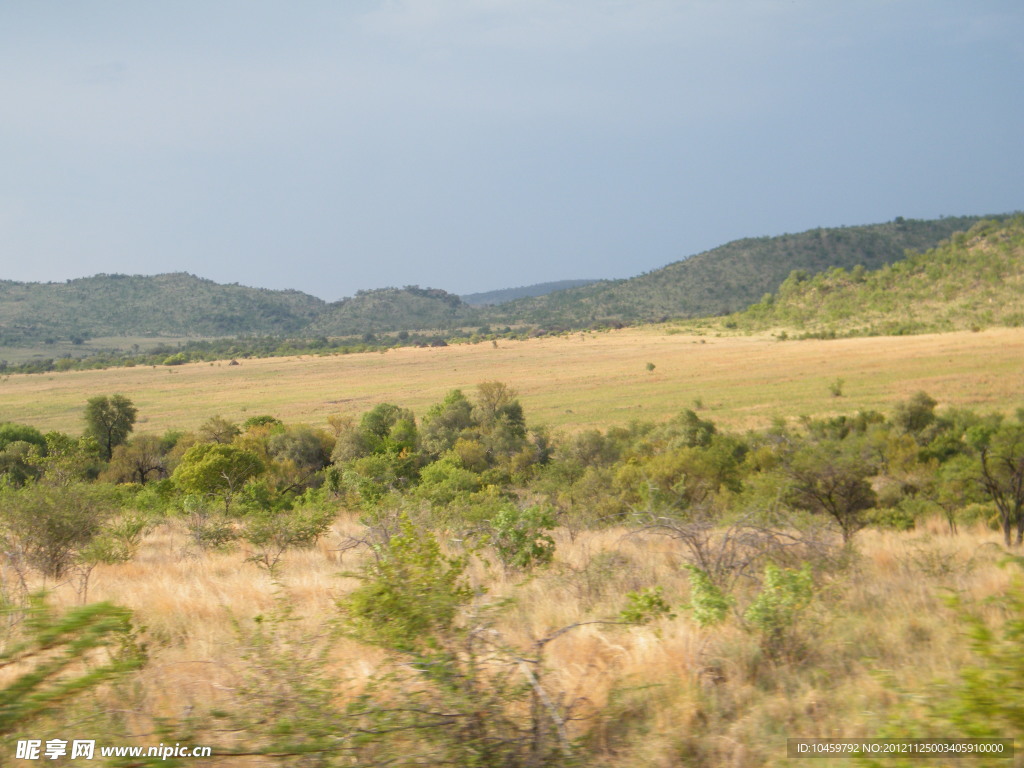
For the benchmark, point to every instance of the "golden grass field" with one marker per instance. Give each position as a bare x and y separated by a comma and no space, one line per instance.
879,630
571,382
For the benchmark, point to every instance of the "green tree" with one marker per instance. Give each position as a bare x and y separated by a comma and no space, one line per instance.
831,477
1002,476
45,527
138,461
213,469
109,420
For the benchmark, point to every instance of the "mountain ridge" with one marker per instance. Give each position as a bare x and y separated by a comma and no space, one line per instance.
723,280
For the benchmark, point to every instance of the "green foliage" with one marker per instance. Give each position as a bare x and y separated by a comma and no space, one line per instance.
785,594
46,527
729,278
913,416
986,698
216,470
446,422
1001,474
394,309
271,534
709,604
410,595
646,606
109,420
174,305
970,282
831,477
521,537
59,656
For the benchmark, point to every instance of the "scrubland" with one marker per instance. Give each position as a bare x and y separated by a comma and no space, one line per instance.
876,640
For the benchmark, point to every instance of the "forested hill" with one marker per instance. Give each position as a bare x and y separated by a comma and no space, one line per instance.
176,304
973,281
717,282
732,276
510,294
394,309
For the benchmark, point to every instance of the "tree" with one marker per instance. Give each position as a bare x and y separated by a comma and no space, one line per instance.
1002,477
109,420
46,527
831,477
213,469
138,461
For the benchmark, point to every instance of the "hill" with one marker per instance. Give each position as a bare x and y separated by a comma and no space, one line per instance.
175,304
973,281
731,277
182,306
490,298
393,309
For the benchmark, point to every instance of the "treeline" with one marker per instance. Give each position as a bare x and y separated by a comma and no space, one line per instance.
469,459
763,517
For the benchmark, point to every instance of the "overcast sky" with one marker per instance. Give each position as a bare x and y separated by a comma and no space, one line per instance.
470,145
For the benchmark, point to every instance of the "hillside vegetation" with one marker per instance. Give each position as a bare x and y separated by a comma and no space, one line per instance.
119,309
973,281
731,277
393,309
489,298
135,305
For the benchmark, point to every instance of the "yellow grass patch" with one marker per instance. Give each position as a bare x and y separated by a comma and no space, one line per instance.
572,382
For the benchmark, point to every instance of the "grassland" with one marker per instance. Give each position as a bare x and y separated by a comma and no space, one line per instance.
664,695
570,382
874,640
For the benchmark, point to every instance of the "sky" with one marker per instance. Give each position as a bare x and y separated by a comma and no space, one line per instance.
471,145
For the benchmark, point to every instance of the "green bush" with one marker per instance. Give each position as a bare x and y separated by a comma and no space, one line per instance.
520,537
773,614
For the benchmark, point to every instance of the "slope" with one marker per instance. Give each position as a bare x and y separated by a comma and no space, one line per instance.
730,277
393,309
973,281
175,304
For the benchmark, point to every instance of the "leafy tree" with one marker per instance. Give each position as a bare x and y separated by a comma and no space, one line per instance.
45,527
446,422
831,477
68,460
1002,476
217,429
21,433
138,461
18,462
410,596
212,469
521,537
109,420
915,415
271,534
784,595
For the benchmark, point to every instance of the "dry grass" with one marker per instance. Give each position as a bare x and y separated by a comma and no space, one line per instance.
572,382
652,696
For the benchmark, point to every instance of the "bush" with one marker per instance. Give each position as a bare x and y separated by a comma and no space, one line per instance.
520,537
785,594
45,527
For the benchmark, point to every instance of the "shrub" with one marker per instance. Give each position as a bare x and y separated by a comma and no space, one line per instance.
520,537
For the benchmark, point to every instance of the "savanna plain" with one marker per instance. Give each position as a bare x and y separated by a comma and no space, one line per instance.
645,547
